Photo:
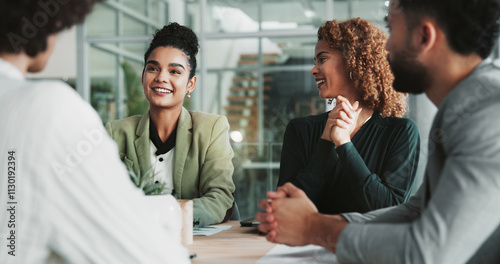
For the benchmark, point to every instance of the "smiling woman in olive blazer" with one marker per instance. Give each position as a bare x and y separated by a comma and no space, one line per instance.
202,161
190,151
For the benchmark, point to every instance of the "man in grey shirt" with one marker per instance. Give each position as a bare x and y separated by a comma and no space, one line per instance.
436,47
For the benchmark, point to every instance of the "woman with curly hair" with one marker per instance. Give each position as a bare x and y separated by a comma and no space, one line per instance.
362,155
187,151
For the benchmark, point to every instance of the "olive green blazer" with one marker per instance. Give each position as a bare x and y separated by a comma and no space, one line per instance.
203,169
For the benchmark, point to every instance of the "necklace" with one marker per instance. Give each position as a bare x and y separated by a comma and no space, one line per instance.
367,119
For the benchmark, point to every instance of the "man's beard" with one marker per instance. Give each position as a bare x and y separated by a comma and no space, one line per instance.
410,76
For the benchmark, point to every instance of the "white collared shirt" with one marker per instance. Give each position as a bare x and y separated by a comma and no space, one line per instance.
163,167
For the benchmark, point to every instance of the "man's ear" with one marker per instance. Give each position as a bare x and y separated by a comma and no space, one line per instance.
142,76
425,36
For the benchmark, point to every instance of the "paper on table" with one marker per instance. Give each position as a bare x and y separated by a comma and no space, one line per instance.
209,230
305,254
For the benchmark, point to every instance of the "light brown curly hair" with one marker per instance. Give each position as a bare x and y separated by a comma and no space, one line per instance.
363,47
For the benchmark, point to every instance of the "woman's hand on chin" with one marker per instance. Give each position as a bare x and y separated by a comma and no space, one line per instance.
343,119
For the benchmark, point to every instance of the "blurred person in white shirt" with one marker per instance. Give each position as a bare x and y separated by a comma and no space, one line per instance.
63,188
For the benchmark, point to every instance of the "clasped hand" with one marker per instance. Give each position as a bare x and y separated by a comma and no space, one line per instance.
286,216
290,218
341,122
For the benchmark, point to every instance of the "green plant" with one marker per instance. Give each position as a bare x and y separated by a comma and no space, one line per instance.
101,99
136,104
147,183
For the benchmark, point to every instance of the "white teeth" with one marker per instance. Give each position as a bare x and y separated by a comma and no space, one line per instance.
161,90
320,81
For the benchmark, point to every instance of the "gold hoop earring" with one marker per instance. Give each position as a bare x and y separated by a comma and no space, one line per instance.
188,95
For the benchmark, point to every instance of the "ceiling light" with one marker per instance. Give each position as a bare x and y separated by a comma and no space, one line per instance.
309,13
236,136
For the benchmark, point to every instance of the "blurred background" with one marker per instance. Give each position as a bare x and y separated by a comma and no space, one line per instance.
254,67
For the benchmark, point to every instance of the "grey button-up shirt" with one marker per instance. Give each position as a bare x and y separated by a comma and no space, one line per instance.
455,215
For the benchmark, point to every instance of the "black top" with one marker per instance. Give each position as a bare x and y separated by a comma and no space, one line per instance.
161,147
375,170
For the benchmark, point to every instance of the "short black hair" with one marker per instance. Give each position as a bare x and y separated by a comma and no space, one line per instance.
179,37
471,26
26,24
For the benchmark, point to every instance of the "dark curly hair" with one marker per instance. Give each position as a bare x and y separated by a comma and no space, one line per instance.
363,47
179,37
471,26
26,24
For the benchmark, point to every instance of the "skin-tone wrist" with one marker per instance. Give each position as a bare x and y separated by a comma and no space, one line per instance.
314,232
341,142
325,136
339,218
322,231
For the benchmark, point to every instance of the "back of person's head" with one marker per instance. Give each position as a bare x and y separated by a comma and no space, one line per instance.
26,24
179,37
363,47
471,26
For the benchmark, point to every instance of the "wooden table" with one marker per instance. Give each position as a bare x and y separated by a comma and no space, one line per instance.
235,245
